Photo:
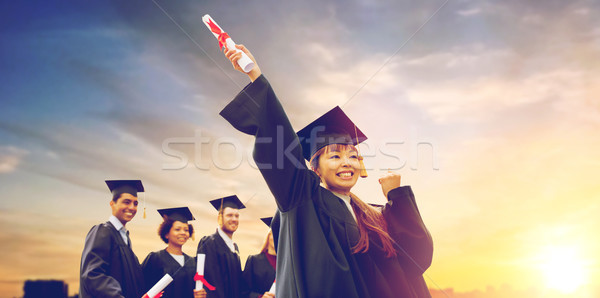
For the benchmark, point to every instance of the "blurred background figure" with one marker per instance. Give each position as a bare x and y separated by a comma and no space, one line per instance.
259,272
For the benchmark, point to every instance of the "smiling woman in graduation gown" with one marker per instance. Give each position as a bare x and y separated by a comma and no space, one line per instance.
317,230
175,231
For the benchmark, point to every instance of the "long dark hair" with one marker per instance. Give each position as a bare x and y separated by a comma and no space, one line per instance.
367,217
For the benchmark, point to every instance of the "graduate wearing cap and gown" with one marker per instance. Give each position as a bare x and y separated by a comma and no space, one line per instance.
320,230
259,271
109,268
174,231
222,267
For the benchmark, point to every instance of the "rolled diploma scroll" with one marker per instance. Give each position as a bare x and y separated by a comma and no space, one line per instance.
272,289
200,270
159,286
244,62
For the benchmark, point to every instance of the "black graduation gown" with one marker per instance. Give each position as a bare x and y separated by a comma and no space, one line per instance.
222,268
158,263
109,268
317,230
258,274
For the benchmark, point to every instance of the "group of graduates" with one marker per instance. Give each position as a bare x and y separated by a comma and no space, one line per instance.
110,268
329,242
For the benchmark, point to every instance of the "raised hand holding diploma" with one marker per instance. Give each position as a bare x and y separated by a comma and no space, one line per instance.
156,290
233,56
224,39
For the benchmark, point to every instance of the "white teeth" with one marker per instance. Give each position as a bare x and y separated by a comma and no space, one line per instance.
345,174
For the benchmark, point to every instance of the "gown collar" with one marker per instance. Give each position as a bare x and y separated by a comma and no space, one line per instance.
346,200
227,240
115,222
119,227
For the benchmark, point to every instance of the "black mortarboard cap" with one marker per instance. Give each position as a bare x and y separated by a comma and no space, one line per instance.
118,187
334,127
267,220
230,201
182,214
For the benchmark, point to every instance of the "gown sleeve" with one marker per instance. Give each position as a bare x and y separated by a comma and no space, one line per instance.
95,264
406,227
152,270
277,151
248,276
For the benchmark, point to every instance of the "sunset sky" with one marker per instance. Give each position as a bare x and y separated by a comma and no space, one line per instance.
490,110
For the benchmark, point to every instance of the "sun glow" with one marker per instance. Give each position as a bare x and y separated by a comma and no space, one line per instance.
563,268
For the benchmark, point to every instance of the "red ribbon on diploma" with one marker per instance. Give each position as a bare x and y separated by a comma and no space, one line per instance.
223,36
199,277
157,295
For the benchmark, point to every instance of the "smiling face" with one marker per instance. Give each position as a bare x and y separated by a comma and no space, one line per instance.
178,234
338,167
230,219
124,208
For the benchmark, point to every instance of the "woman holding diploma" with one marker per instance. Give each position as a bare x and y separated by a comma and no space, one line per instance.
175,231
330,243
259,272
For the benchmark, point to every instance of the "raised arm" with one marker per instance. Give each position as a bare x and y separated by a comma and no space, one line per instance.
406,227
256,110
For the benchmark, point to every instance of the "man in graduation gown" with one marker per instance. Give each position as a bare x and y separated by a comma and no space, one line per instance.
109,268
222,267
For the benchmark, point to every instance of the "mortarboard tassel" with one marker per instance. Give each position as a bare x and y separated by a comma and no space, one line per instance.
220,212
144,198
363,171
